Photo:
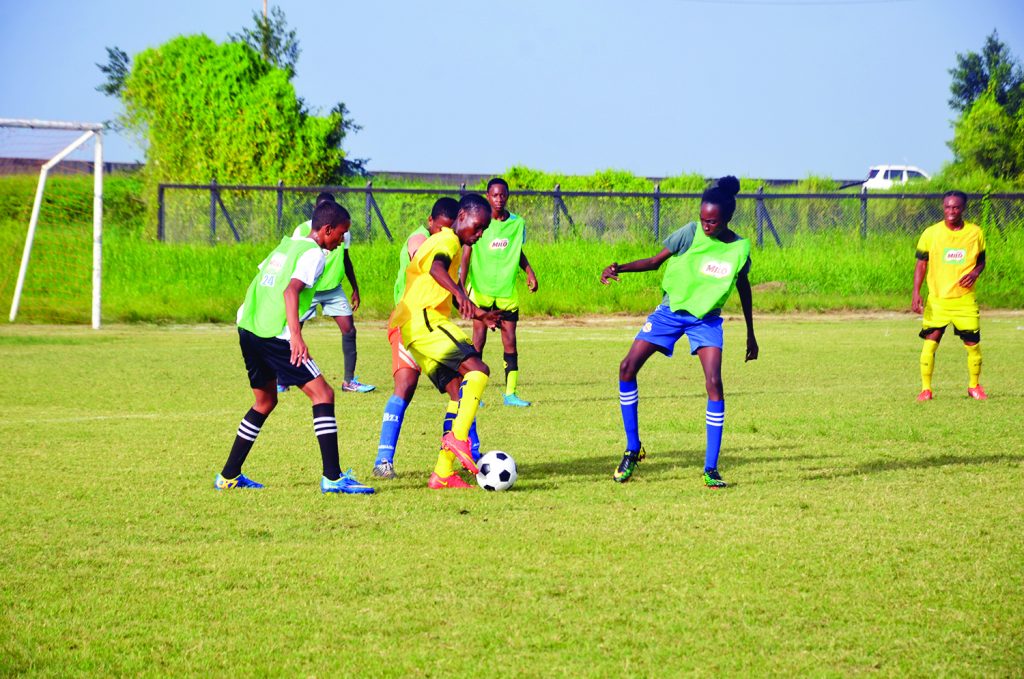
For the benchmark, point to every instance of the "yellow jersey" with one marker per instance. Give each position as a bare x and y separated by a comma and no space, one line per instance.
422,292
950,254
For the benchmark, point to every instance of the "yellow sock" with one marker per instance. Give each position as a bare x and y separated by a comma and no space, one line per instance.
928,363
444,468
973,364
473,385
511,381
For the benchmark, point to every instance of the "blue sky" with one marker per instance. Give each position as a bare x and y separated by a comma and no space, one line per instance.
760,88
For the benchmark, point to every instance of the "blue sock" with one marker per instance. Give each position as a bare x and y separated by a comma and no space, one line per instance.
629,398
474,441
390,428
715,419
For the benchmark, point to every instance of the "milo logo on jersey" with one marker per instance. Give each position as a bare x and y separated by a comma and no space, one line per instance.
954,255
716,268
499,243
272,268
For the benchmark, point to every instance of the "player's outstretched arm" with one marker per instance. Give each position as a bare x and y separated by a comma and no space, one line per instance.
439,272
747,303
920,269
612,271
350,274
300,352
531,277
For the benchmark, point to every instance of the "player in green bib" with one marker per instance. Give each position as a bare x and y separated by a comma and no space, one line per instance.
497,258
704,266
270,336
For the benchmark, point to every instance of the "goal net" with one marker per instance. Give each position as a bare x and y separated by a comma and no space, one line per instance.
51,220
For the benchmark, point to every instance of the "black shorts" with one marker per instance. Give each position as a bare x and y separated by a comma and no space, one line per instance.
269,359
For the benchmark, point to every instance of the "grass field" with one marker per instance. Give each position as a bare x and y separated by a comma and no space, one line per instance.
864,533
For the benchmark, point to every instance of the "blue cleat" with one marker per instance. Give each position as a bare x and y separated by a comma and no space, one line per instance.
282,388
242,481
357,387
513,400
346,484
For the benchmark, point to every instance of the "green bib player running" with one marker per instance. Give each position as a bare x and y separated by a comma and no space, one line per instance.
496,260
704,265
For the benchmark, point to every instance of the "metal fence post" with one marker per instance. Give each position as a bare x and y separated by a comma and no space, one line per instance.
369,207
462,189
160,213
863,212
213,211
554,209
759,212
657,212
280,204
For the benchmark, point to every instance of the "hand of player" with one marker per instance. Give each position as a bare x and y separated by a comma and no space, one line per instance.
466,308
300,352
355,299
610,273
968,280
916,305
752,349
531,280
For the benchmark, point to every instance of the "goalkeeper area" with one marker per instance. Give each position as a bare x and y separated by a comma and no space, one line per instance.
862,532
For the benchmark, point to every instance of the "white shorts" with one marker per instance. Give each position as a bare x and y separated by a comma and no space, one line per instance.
333,301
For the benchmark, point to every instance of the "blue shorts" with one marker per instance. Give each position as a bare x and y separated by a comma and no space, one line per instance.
333,303
664,327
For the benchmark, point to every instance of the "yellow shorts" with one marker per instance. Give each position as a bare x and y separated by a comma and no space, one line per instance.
509,306
438,345
961,312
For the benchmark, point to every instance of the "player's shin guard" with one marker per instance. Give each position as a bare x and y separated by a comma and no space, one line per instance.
629,402
973,364
245,437
714,420
390,428
449,415
511,372
473,385
348,350
326,429
928,363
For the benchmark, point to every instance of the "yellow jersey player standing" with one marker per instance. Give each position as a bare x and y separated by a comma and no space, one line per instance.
952,255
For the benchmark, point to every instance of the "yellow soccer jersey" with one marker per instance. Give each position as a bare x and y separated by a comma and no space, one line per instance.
950,254
421,290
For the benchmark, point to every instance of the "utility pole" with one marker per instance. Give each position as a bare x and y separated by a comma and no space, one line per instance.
264,10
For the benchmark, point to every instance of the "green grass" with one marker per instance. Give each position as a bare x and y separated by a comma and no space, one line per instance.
864,533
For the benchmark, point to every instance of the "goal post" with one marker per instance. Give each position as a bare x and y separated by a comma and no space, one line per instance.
90,131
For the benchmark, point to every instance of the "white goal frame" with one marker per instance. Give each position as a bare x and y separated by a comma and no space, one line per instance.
90,131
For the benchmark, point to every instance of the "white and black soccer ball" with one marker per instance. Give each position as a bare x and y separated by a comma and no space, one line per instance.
497,471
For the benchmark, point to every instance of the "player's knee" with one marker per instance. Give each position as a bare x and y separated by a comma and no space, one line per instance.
627,370
713,384
265,403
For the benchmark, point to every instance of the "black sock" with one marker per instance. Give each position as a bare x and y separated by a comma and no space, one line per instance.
245,437
511,363
326,429
348,349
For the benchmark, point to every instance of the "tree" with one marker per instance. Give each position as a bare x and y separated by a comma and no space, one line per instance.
994,68
271,38
116,70
984,139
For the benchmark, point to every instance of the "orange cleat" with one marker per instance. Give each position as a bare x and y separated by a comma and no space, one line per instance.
462,450
977,393
439,482
925,395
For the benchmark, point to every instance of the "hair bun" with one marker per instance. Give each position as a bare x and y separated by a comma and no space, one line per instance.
729,184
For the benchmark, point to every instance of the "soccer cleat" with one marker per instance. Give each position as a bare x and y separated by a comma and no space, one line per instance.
282,388
356,387
712,479
926,395
439,482
241,481
630,459
462,450
513,400
345,484
384,470
977,393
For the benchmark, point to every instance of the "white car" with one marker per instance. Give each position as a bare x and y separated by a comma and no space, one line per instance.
885,176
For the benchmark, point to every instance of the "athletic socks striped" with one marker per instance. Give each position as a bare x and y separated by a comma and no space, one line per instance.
326,429
245,437
629,399
714,419
390,428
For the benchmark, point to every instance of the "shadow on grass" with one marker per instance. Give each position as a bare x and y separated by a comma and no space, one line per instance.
883,466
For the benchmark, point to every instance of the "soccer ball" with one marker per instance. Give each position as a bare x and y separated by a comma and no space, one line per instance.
497,471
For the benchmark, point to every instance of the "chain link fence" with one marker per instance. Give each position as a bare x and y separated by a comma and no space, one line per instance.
215,214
